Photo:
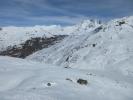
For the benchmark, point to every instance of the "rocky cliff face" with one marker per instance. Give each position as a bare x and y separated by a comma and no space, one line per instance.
32,45
23,41
106,45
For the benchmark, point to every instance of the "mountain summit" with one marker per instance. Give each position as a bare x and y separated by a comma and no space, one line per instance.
87,61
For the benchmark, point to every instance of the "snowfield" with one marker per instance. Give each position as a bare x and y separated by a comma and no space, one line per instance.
106,46
27,80
11,35
95,62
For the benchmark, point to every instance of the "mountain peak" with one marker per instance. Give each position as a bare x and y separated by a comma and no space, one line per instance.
90,23
120,21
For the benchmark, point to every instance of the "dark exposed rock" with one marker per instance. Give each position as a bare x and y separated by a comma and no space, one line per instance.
98,29
32,45
0,28
67,58
82,81
93,45
66,67
122,22
69,79
48,84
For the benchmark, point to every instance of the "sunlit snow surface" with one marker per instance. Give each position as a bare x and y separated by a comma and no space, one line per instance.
27,80
11,35
102,57
113,46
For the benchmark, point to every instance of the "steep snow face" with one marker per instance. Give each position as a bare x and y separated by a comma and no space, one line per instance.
27,80
117,25
32,45
86,26
10,36
108,46
101,56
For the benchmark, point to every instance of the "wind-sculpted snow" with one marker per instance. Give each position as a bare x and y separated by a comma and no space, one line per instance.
106,46
27,80
93,63
30,46
10,36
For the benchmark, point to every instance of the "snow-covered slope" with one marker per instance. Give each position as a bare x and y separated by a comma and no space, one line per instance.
10,36
105,47
100,57
27,80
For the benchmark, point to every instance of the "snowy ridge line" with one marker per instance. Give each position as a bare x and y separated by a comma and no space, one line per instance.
94,50
32,45
90,64
10,36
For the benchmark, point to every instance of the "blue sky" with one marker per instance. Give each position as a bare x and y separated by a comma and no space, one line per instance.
64,12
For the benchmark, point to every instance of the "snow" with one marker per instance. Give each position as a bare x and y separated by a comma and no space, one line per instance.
12,79
27,80
102,54
113,45
11,35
